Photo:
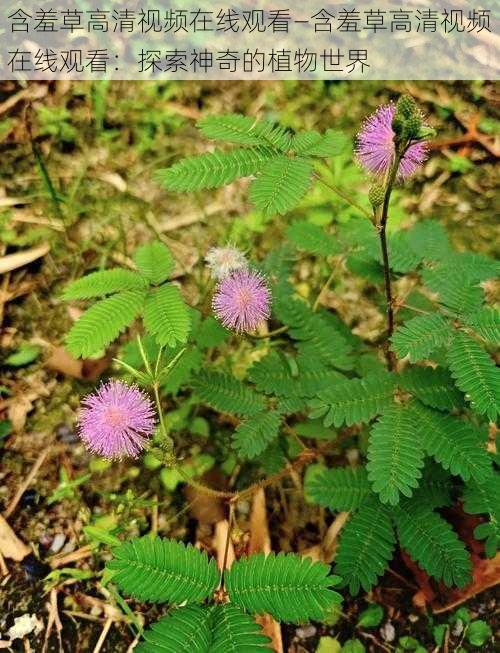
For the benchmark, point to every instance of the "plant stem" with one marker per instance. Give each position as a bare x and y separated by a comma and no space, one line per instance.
323,289
391,178
269,334
345,196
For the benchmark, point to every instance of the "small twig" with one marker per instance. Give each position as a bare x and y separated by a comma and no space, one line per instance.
62,560
376,641
107,625
53,619
27,481
404,580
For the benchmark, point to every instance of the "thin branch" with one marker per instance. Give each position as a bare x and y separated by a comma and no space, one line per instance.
345,196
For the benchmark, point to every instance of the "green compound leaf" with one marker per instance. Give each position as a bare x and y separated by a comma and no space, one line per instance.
486,323
395,455
431,542
455,293
161,570
354,401
421,336
104,282
254,434
290,588
366,546
103,322
453,443
281,185
214,169
186,629
339,489
484,499
475,374
314,375
236,632
154,261
227,394
434,489
312,238
166,315
434,387
312,143
401,256
273,375
244,130
430,240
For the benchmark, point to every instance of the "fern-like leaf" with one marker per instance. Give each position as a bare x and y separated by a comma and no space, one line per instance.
452,442
254,434
161,570
475,374
470,266
290,588
281,185
154,261
401,256
434,489
366,546
227,394
312,238
485,322
484,499
431,542
455,293
395,455
420,336
355,400
236,632
342,488
429,240
103,322
273,375
314,376
186,629
312,143
166,316
104,282
320,339
214,169
244,130
434,387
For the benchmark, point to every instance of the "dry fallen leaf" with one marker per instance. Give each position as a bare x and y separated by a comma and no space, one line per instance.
10,545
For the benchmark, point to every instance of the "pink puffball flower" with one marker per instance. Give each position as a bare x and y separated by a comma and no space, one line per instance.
375,149
221,261
242,301
116,420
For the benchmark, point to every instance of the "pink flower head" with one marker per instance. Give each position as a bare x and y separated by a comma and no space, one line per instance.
116,420
242,300
375,146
